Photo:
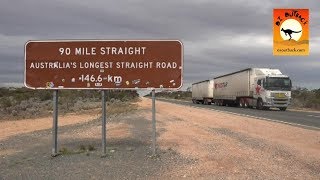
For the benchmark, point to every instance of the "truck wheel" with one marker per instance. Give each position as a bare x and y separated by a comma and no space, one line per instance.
283,109
259,104
205,102
241,103
246,104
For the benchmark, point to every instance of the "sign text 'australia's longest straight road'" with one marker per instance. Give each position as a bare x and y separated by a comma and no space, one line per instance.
99,64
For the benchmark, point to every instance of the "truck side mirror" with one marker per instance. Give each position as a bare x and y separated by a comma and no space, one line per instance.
259,82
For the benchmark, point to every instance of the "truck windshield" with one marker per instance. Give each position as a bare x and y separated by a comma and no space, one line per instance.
275,83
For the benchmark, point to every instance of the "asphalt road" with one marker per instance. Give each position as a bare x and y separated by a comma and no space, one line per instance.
309,120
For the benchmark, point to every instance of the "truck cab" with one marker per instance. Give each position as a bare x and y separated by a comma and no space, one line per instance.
272,90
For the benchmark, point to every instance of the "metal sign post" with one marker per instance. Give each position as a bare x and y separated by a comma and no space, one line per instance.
154,122
103,93
55,124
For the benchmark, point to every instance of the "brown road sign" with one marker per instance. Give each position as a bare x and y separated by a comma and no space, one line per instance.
103,64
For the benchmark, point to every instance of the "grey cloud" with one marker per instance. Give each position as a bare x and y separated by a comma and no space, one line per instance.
301,69
189,20
194,22
11,69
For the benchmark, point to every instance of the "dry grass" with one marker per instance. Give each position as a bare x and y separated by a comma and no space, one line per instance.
120,108
23,103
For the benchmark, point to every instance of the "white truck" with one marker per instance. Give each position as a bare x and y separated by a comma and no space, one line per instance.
202,92
253,87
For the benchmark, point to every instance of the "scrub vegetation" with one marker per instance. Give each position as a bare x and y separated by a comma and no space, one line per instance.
20,103
304,98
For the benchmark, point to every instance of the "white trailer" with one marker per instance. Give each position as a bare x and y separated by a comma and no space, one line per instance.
253,87
202,92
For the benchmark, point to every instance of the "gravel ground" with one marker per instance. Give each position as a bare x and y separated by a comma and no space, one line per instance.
192,144
27,156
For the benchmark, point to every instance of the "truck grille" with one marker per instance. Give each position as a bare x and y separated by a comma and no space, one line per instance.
280,102
280,99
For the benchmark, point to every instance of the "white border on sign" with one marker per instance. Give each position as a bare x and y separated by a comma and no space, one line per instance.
77,40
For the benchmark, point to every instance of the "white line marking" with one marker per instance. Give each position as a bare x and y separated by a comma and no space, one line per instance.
272,120
314,116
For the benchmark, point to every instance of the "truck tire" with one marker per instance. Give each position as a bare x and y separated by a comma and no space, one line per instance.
205,101
259,104
241,103
283,108
246,104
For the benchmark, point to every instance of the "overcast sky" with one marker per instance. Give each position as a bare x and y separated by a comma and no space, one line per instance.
218,36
